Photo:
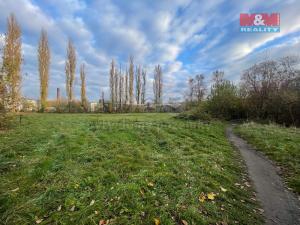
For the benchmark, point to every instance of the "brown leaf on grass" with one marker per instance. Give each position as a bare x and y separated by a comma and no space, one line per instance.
247,184
142,191
150,184
184,222
38,220
102,222
16,189
156,221
202,197
261,211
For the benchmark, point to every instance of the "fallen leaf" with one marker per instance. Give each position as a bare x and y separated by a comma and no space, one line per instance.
156,221
261,211
150,184
59,208
92,202
247,184
102,222
73,208
39,221
184,222
211,196
223,189
16,189
142,191
202,197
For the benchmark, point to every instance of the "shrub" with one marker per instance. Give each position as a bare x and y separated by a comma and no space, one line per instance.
197,113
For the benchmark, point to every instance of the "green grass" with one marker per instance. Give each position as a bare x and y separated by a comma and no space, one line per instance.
280,144
129,169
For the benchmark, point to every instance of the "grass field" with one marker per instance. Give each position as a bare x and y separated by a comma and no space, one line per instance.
128,169
280,144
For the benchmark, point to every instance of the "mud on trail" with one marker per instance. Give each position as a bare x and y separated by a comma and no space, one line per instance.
279,204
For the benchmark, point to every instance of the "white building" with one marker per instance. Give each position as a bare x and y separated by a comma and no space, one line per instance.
94,106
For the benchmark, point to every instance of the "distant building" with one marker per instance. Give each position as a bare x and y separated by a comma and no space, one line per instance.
94,106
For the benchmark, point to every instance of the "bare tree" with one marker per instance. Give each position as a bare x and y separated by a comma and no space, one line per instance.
84,101
218,77
144,80
272,90
121,91
199,87
112,82
44,63
131,80
12,60
70,72
138,84
116,84
191,89
158,85
126,88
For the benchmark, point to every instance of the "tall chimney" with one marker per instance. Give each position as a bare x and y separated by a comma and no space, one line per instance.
57,94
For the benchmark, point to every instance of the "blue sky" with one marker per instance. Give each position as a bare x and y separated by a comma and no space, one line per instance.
186,37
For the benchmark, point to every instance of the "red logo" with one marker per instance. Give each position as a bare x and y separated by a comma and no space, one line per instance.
260,19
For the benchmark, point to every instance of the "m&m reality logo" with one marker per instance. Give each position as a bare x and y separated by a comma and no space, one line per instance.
260,22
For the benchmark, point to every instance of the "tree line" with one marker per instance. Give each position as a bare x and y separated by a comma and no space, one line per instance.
127,88
268,90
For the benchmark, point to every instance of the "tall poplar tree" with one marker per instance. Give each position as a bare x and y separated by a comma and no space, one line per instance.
70,72
84,101
12,60
44,63
131,80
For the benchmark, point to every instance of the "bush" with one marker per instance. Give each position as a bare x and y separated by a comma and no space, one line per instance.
224,101
197,113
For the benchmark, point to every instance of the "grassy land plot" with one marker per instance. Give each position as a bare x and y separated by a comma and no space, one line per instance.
129,169
281,144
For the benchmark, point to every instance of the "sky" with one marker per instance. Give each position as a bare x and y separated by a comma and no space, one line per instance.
186,37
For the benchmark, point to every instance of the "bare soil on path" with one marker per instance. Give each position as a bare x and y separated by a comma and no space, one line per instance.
280,205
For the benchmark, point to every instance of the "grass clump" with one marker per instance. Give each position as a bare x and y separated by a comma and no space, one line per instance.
280,144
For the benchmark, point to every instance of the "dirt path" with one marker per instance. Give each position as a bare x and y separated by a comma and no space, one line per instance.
280,206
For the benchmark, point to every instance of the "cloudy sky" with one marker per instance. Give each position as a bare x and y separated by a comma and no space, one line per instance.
186,37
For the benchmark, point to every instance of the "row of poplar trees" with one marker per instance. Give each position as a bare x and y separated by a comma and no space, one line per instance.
128,88
11,77
121,86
